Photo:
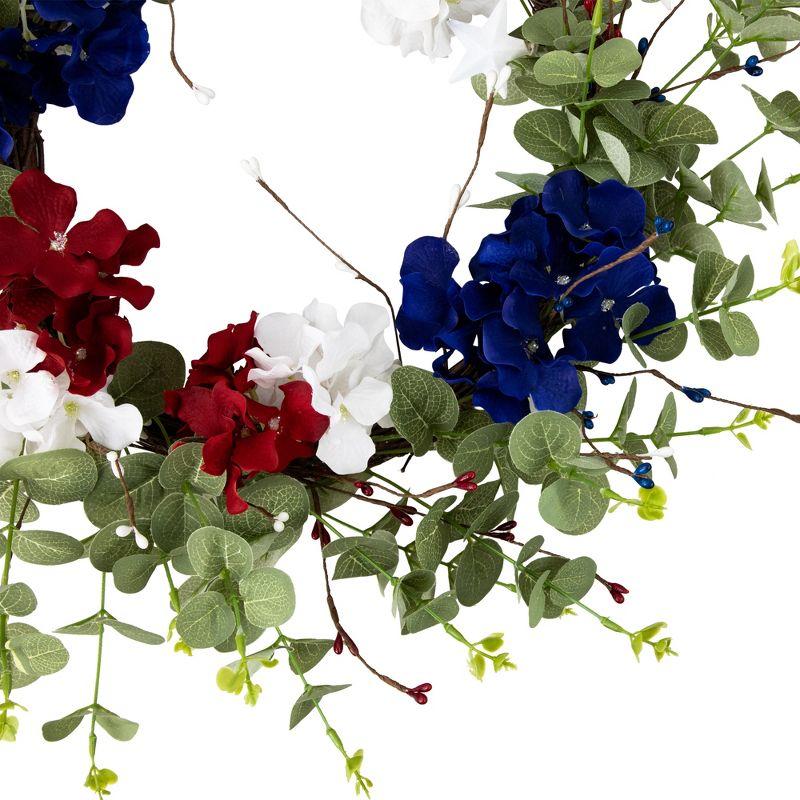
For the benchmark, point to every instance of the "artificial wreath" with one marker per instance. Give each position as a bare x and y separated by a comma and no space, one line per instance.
208,477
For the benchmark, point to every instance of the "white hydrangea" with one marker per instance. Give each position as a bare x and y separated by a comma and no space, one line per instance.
38,413
419,25
348,366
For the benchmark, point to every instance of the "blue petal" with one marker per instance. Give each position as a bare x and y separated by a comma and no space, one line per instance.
432,257
557,387
500,407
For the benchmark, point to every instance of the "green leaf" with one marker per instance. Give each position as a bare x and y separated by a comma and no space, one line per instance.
267,597
741,283
132,573
559,67
6,494
574,578
513,95
625,113
360,556
184,465
308,653
307,701
671,125
133,632
712,273
529,550
781,116
212,550
545,95
613,61
615,149
621,428
667,345
479,567
107,547
739,332
46,547
771,29
473,504
38,654
422,406
537,600
547,25
572,506
691,239
730,18
712,338
123,730
7,175
626,90
58,729
433,535
107,504
732,195
546,134
444,607
143,377
541,438
500,203
494,514
54,477
17,600
694,186
476,451
469,420
764,192
205,621
176,517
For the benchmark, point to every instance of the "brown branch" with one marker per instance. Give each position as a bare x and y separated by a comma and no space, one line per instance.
777,412
357,272
713,76
655,33
337,622
129,504
621,260
487,110
173,58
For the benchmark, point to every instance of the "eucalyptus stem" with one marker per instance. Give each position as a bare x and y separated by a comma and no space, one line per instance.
96,693
792,179
330,731
5,667
588,78
768,129
708,430
761,294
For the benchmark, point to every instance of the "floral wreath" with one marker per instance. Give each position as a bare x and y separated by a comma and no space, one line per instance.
210,478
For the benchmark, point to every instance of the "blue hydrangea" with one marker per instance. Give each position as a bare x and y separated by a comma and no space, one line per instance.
538,281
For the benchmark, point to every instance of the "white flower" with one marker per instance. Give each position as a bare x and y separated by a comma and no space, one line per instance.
38,411
347,365
419,25
252,167
488,49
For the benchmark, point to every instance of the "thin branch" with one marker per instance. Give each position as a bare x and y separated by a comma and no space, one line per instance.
172,55
621,260
357,272
717,74
777,412
654,34
487,110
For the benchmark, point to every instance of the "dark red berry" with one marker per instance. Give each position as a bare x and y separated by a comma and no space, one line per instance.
465,477
316,530
617,587
365,488
507,526
420,697
324,537
466,486
423,687
617,596
338,644
401,515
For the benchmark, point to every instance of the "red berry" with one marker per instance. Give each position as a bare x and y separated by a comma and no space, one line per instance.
338,644
365,488
401,515
466,486
423,687
464,477
617,587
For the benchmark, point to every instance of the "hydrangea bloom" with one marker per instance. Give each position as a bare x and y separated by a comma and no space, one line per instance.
80,53
538,278
419,25
347,366
243,436
64,281
38,413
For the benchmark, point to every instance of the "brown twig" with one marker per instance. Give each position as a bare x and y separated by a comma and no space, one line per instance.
655,33
337,622
357,272
173,58
777,412
716,75
487,110
621,260
129,504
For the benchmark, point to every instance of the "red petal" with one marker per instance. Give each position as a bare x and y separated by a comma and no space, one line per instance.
42,203
138,243
289,450
101,236
65,274
129,289
20,247
234,503
257,453
298,419
217,453
227,347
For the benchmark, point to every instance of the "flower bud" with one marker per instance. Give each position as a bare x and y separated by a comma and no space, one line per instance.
252,167
203,94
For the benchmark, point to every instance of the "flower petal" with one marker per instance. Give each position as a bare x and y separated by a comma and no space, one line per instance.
44,204
65,274
346,447
369,401
102,235
18,352
114,427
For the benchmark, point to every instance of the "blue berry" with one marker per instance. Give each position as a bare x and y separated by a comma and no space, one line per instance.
589,414
588,424
755,72
643,45
663,226
558,307
695,395
645,483
751,62
566,302
643,469
607,380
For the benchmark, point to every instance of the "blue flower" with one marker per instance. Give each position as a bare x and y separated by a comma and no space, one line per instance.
541,277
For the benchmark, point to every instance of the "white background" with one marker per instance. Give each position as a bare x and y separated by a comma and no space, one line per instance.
367,146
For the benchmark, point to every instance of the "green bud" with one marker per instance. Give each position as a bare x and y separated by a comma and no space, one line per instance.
493,642
503,661
253,693
791,266
182,647
231,680
652,630
8,728
637,644
477,665
353,763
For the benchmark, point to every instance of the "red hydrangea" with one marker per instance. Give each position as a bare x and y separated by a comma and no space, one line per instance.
242,436
63,280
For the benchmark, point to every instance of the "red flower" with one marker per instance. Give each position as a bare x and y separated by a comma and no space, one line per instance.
64,280
244,437
225,350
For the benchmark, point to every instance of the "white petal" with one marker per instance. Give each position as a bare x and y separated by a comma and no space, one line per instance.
58,433
18,351
287,335
346,447
10,445
320,397
114,427
412,10
340,348
374,319
322,316
369,401
33,400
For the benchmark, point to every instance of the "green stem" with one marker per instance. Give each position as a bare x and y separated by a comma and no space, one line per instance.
761,294
98,667
766,132
330,731
187,490
792,179
162,430
173,591
585,90
708,430
5,668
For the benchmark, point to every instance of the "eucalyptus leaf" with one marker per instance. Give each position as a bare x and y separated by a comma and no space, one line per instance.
433,535
307,701
267,597
38,654
546,134
541,438
479,567
212,550
206,620
46,548
184,466
54,477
